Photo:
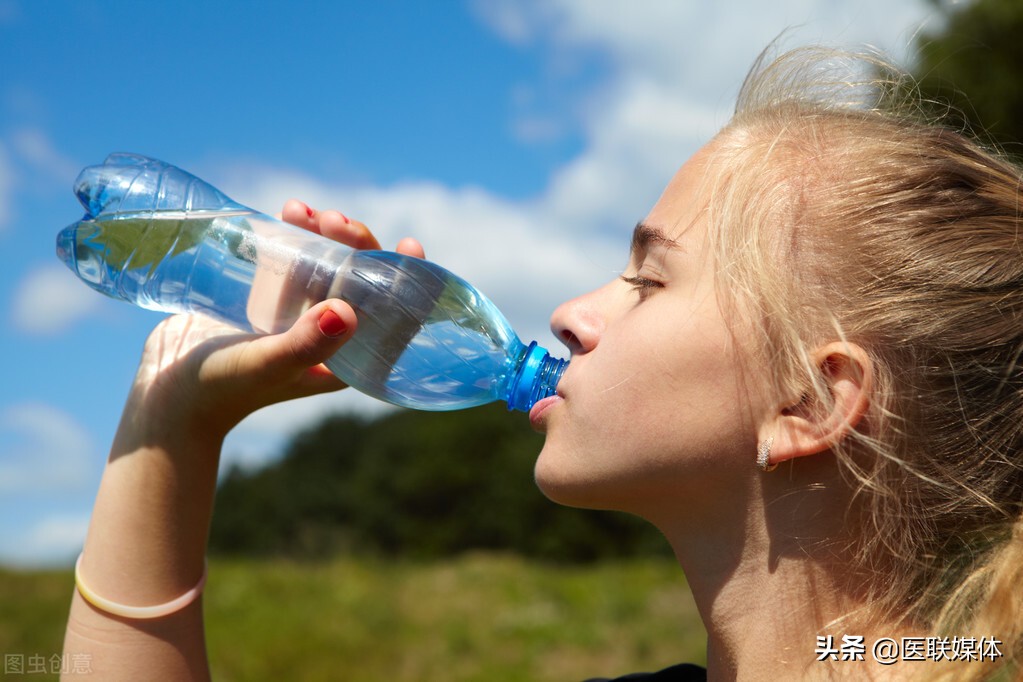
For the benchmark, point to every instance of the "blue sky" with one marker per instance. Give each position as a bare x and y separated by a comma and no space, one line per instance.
520,141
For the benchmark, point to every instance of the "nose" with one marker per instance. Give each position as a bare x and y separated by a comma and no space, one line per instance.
578,323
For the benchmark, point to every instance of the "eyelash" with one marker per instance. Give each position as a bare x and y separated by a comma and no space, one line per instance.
642,285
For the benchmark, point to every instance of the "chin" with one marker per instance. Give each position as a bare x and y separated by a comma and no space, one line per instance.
568,485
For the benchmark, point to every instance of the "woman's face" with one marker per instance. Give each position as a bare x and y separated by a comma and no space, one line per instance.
652,402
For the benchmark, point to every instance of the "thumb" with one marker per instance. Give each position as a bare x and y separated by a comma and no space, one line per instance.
314,337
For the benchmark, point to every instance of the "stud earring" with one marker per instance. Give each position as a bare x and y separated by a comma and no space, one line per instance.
764,455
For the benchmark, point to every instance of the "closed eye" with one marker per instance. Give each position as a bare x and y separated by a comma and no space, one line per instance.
643,285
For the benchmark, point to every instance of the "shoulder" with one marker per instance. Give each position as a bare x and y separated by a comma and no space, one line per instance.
684,672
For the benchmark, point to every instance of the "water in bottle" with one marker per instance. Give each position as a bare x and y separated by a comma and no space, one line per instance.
161,238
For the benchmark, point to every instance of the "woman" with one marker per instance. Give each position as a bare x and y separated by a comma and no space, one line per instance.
808,378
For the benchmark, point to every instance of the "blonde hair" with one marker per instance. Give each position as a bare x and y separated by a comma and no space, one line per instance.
843,215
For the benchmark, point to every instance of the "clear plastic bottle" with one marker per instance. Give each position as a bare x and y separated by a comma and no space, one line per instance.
163,239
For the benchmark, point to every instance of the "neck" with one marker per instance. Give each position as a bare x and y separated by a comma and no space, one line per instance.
769,576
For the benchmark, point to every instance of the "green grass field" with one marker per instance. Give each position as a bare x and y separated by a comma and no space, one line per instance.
479,617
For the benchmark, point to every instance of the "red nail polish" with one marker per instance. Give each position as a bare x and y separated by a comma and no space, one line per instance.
309,211
331,323
345,218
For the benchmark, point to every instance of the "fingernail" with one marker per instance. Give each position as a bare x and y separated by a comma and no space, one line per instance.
331,323
345,218
309,211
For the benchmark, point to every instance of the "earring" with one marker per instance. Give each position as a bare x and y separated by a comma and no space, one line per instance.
764,455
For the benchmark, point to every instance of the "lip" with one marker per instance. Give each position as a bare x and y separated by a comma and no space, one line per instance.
538,410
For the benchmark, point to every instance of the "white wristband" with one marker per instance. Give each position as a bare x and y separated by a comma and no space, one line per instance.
137,612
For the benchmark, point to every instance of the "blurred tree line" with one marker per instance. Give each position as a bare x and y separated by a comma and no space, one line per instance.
974,62
428,485
416,484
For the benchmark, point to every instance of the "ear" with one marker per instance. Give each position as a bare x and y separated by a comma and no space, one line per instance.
817,423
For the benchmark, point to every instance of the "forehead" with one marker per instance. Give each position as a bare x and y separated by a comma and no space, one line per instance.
684,199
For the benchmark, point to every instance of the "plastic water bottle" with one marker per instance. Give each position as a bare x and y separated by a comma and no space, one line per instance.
163,239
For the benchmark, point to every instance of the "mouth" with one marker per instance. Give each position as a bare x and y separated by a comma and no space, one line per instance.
537,412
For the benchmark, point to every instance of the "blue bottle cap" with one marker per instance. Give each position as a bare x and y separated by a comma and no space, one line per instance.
537,378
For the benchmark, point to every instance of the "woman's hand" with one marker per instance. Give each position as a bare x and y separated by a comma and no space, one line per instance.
335,225
205,377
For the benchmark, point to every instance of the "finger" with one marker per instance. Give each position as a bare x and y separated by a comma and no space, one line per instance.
299,213
317,335
411,247
339,227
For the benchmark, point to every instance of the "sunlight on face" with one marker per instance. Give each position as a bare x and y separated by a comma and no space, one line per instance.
654,405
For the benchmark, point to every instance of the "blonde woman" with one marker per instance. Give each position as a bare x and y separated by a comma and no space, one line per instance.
808,378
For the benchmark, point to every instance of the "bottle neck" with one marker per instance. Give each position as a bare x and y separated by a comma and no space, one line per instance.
536,378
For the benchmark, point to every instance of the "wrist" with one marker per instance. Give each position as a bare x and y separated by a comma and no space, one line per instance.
114,608
172,412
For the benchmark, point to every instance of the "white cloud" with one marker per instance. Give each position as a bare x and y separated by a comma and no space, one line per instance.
683,41
672,70
48,461
53,540
28,160
43,449
50,299
512,22
263,435
637,141
537,128
35,149
516,253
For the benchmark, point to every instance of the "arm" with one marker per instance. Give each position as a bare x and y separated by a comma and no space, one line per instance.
147,537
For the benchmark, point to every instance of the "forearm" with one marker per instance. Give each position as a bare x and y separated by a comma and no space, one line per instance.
146,545
147,537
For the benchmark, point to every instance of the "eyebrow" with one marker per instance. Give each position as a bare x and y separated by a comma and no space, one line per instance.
645,235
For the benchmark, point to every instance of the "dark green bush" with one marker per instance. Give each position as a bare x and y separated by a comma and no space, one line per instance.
414,484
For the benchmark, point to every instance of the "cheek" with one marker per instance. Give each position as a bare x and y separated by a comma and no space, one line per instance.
690,356
679,380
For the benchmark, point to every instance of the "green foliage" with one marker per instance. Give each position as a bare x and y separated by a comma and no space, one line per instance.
415,484
33,611
478,617
975,63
